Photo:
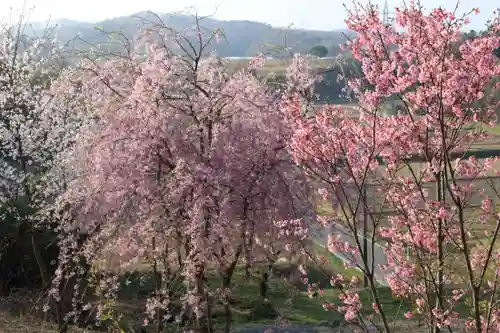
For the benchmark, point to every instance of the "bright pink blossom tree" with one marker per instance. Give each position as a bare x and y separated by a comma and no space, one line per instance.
440,239
184,167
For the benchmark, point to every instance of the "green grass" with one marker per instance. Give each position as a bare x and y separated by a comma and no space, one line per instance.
287,296
489,129
336,264
325,208
493,130
277,65
454,259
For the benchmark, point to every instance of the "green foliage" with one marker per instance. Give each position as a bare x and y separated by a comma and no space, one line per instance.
263,311
18,264
497,52
319,51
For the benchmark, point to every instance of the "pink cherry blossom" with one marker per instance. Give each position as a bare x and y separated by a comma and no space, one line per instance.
183,165
441,82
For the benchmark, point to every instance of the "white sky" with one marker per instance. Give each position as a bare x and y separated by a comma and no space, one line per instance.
307,14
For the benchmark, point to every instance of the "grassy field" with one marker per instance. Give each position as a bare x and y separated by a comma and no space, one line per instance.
289,301
287,296
490,185
278,65
475,224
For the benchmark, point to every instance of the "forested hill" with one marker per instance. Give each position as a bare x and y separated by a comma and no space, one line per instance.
242,38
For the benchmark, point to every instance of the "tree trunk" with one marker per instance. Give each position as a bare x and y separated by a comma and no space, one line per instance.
263,285
40,262
226,284
64,306
440,258
202,320
365,235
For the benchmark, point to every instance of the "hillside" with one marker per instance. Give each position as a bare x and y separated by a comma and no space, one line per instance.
243,38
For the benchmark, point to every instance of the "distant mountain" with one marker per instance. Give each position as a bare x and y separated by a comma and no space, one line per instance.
242,38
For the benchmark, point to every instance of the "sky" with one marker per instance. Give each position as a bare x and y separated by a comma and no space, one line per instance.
304,14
